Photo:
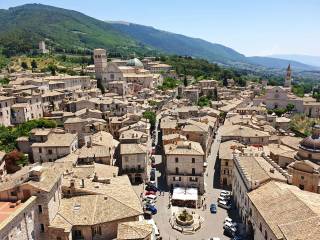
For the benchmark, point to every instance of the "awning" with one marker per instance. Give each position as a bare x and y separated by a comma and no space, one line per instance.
182,194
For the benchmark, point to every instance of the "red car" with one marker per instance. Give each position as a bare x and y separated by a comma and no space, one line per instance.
150,193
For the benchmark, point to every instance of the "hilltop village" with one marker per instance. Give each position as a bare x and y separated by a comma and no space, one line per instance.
110,154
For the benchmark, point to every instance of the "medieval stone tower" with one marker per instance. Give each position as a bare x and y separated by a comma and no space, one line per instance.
288,79
100,62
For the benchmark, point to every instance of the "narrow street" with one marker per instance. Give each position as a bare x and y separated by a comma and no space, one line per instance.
213,223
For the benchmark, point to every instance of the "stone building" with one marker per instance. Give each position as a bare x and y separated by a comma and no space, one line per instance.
245,135
124,79
279,211
250,173
57,145
309,147
135,230
5,110
42,183
17,220
184,165
305,175
134,160
225,154
66,200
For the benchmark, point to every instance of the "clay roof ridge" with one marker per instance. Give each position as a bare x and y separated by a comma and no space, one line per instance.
94,209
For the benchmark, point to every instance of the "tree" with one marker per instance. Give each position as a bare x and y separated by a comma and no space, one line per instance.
64,57
24,65
14,160
225,82
4,81
100,86
52,68
34,65
204,101
279,111
152,117
290,107
185,81
9,135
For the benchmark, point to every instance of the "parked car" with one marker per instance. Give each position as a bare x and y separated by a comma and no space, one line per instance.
150,193
153,150
151,197
148,201
237,238
229,225
148,204
229,220
229,232
225,194
213,208
224,204
223,199
152,209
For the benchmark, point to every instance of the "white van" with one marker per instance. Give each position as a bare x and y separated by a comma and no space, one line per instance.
154,226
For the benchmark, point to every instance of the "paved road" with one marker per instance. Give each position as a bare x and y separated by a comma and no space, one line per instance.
213,223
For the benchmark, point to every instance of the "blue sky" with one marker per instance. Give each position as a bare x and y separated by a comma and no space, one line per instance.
252,27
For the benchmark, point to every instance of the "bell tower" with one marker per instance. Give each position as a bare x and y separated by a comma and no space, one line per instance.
100,62
288,79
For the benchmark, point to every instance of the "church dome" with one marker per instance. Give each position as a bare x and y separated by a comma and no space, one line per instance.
312,143
135,62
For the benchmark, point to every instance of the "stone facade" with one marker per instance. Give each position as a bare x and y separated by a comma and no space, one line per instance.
184,164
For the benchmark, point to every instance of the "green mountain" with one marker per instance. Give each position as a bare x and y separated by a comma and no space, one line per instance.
183,45
21,28
179,44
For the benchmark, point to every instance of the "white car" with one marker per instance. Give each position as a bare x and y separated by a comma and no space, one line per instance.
224,204
222,199
225,193
230,226
151,197
229,221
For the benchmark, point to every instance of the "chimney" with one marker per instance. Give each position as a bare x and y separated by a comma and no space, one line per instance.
72,183
82,183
